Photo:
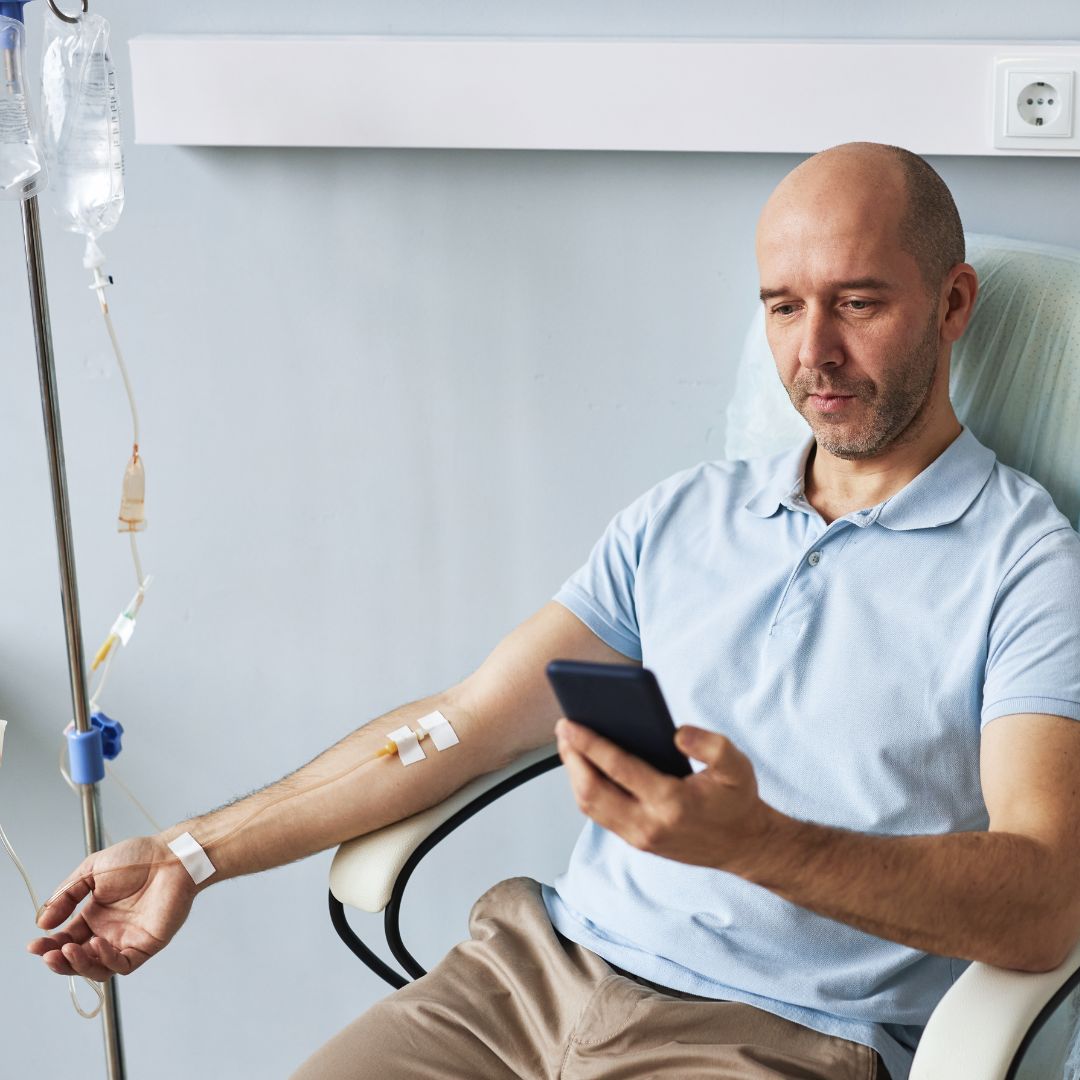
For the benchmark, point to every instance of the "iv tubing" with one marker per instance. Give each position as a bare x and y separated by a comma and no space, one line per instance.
113,775
19,866
104,675
124,375
138,562
388,750
37,910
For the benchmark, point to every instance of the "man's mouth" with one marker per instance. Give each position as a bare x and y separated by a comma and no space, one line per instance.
829,402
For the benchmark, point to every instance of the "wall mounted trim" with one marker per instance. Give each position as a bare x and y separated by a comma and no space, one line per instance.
702,95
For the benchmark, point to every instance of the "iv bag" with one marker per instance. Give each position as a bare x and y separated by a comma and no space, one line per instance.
22,171
82,125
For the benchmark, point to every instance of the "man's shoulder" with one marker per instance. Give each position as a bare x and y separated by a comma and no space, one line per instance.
1021,502
717,481
1018,516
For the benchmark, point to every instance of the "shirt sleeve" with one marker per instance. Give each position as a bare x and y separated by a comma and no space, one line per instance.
1033,653
602,593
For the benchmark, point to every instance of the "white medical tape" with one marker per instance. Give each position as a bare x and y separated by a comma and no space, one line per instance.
408,746
123,628
3,728
196,862
438,727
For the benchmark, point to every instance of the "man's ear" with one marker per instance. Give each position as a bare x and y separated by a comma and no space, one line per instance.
960,288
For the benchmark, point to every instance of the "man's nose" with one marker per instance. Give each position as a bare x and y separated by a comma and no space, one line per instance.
820,345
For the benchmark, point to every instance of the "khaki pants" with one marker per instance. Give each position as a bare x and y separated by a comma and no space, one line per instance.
520,1002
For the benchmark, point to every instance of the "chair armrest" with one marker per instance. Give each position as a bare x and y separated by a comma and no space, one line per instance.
364,870
980,1024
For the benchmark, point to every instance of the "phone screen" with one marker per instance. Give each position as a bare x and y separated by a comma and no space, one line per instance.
623,703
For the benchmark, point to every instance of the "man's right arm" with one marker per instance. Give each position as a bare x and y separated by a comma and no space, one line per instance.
503,709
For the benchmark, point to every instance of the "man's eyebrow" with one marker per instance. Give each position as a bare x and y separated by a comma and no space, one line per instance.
833,286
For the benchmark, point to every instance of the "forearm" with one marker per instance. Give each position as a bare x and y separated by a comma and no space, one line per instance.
976,895
344,792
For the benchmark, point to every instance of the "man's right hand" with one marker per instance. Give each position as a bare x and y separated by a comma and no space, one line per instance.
139,896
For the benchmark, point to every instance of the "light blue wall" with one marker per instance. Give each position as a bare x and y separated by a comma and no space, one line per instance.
389,400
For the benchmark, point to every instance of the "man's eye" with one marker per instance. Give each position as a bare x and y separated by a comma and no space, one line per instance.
860,305
783,309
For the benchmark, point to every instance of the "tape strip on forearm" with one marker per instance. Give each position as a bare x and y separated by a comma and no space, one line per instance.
435,726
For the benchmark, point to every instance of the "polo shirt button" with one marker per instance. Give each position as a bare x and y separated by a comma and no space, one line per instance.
814,558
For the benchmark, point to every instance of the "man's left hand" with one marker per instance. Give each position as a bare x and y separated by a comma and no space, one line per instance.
714,817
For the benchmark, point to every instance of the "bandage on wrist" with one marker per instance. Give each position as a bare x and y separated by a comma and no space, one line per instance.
196,862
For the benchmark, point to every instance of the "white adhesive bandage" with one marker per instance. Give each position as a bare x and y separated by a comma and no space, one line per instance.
438,727
408,746
196,862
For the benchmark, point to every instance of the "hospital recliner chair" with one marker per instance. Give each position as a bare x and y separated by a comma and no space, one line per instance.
1016,385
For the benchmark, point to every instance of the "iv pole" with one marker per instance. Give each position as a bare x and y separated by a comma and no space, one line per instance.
69,593
50,408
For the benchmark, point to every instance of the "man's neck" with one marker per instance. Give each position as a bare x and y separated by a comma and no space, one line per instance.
836,486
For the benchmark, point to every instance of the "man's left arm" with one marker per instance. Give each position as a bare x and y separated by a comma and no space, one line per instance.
1007,896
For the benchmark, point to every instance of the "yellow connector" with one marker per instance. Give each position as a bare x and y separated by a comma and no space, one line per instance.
390,749
104,651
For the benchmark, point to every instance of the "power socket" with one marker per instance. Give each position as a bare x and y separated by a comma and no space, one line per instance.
1035,100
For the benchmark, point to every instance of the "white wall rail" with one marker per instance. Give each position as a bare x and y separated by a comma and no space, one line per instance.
935,97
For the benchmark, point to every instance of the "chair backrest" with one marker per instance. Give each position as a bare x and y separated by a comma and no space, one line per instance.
1015,373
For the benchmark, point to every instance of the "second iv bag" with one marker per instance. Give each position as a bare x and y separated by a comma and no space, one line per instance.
82,125
21,170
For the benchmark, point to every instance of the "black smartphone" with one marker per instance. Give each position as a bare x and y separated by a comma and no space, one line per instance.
623,703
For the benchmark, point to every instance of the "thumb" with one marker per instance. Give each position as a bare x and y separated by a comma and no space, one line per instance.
708,747
67,898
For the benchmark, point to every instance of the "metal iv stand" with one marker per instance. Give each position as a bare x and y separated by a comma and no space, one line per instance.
69,592
93,829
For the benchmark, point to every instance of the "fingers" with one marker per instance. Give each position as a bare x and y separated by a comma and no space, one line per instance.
84,960
597,797
96,958
50,948
44,945
627,770
113,960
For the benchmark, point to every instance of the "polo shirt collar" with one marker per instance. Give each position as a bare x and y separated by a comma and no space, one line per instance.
944,489
785,483
937,496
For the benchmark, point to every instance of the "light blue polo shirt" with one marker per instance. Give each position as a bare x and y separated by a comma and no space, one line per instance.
855,664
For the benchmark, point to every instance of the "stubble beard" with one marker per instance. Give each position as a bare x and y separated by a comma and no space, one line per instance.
891,407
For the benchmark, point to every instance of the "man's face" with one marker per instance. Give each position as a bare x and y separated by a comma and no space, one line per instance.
852,328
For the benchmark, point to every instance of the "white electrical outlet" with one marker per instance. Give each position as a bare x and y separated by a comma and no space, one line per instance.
1034,101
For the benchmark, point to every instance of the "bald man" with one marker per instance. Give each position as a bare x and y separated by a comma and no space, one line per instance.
870,647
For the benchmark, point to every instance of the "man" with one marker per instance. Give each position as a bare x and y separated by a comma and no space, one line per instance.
884,624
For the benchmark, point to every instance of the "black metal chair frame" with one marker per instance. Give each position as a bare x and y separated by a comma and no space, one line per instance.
392,914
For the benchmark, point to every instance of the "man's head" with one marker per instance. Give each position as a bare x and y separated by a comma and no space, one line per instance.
861,254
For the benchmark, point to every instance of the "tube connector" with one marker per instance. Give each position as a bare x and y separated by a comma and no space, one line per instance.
132,517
